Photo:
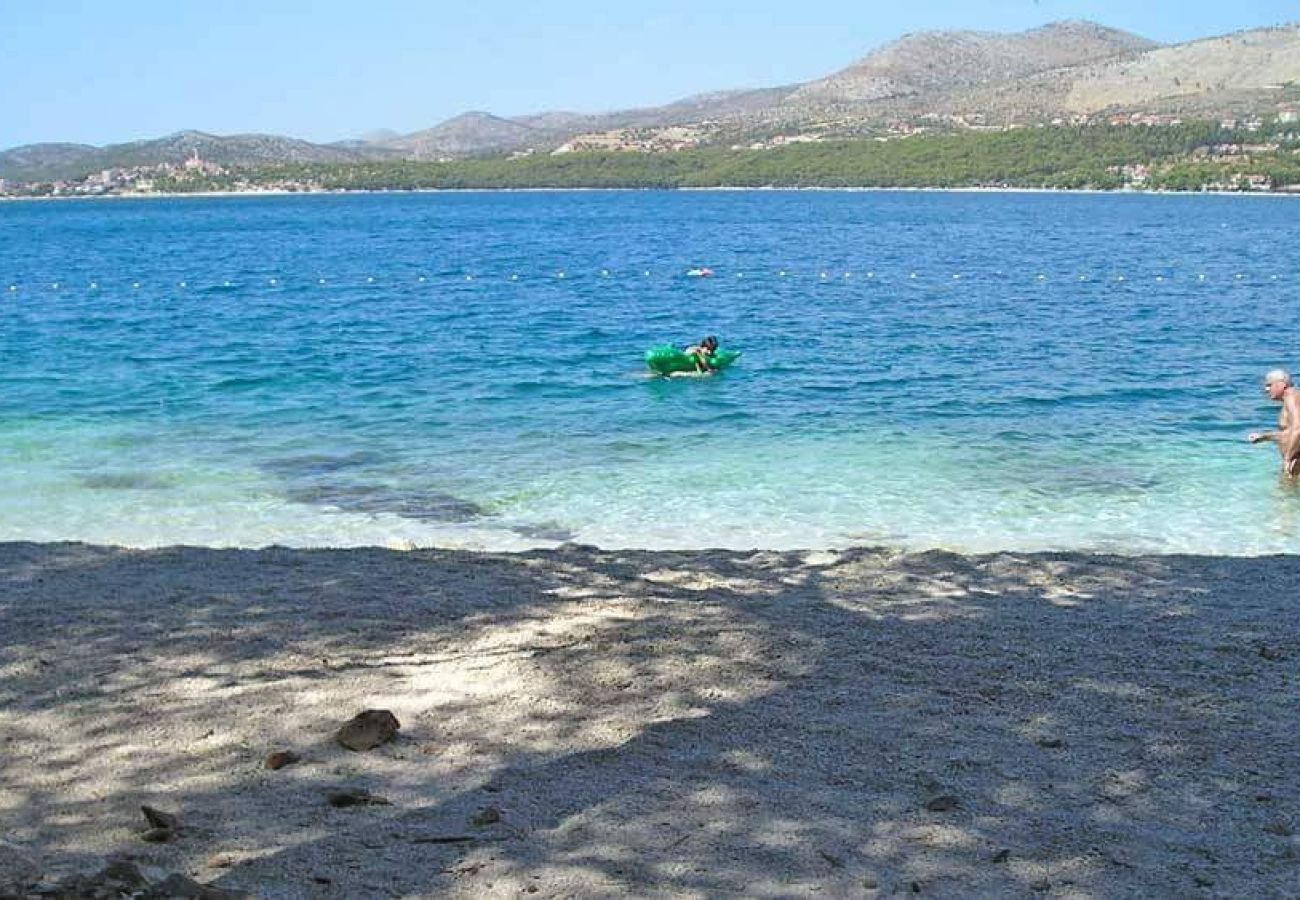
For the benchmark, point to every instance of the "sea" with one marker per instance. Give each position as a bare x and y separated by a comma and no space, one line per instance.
974,371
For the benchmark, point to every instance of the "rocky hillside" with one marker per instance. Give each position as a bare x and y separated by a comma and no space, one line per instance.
921,68
1249,72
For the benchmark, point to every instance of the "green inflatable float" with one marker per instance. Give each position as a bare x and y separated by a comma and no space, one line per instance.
667,359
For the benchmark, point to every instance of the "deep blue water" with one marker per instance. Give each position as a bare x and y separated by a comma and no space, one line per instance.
965,370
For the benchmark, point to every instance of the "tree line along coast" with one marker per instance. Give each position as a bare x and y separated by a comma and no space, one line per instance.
1260,155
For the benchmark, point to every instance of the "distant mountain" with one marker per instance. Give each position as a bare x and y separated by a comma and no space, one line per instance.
1247,73
1063,69
948,78
919,68
34,160
468,134
62,161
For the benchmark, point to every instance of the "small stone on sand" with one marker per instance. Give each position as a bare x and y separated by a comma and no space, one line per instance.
367,730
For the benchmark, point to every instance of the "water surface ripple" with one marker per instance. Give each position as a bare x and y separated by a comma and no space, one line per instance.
966,370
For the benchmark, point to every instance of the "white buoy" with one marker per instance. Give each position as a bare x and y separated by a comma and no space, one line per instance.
320,280
227,284
647,273
848,274
740,274
1274,278
604,273
783,273
559,274
469,277
136,284
422,279
370,280
1240,276
871,274
55,286
823,274
956,277
13,287
1120,278
1160,278
1200,277
94,285
273,282
1042,277
182,284
514,277
913,275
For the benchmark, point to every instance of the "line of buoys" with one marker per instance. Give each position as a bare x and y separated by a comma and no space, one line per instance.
825,275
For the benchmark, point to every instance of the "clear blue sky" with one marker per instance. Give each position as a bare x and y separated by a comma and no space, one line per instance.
103,72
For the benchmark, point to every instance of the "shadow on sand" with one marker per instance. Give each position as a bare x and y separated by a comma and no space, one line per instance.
586,723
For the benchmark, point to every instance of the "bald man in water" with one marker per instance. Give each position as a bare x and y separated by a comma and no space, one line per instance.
1277,384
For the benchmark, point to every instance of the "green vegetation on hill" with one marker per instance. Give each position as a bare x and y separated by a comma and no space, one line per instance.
1085,157
1192,156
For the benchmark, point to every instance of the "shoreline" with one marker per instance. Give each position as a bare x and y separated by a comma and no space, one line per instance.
579,722
628,190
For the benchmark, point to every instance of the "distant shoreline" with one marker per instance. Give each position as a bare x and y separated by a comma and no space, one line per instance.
641,190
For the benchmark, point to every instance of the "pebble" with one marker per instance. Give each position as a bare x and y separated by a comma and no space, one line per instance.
355,797
368,729
282,758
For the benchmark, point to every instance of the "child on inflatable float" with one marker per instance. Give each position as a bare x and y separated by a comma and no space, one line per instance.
702,353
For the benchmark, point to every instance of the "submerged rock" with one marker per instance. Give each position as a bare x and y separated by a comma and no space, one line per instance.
375,499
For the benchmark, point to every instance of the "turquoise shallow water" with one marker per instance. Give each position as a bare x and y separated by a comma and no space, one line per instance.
972,371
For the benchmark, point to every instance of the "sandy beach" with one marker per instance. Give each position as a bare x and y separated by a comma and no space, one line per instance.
579,723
